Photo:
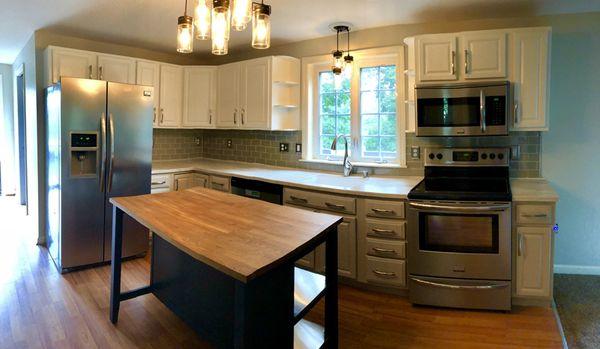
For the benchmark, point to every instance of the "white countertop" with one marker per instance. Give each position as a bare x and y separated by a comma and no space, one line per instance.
396,187
532,189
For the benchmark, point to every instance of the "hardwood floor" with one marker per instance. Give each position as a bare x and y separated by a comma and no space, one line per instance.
40,308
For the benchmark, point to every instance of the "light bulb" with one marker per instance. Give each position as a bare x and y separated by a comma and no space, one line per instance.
202,20
241,14
348,65
185,34
220,27
261,26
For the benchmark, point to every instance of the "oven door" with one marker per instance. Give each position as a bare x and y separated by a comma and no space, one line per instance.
464,240
462,110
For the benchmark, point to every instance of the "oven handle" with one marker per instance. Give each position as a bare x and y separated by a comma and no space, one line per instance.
482,120
460,208
459,287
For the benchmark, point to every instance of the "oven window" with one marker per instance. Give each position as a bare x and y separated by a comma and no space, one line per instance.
458,233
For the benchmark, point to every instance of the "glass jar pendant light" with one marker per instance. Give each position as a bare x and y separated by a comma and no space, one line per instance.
185,32
261,26
339,60
221,21
348,59
241,14
202,20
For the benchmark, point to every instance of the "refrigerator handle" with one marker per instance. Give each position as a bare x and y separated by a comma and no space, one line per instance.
111,126
103,151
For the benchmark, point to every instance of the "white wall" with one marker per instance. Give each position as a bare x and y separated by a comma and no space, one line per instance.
7,130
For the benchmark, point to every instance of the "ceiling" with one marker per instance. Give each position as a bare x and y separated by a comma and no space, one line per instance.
151,24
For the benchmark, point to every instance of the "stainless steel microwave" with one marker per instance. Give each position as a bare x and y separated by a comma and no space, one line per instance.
467,109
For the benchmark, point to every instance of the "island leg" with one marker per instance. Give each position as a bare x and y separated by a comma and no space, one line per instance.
115,264
331,289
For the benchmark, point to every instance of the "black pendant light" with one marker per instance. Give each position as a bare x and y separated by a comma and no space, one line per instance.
339,61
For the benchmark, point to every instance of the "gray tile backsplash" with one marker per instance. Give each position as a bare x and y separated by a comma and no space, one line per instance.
263,147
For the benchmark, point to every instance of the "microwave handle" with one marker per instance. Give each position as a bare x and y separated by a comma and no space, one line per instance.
482,120
419,205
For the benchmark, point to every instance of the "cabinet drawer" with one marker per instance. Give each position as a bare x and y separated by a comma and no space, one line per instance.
534,214
382,228
328,202
161,181
220,183
384,209
386,271
386,248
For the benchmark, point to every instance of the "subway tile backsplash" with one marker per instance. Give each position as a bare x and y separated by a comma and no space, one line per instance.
263,147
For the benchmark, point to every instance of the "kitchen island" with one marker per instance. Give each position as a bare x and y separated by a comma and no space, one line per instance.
225,265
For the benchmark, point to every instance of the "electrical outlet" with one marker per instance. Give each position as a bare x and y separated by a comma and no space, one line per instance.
298,147
284,147
515,152
415,152
229,143
197,140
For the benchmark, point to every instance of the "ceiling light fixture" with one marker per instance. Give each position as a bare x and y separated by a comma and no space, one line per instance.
339,61
215,23
185,32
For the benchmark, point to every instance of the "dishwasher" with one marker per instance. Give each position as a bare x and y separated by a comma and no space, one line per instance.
257,190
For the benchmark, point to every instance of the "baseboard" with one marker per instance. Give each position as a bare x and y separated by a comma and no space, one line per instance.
576,269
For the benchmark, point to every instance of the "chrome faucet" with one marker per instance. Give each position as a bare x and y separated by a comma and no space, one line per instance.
346,163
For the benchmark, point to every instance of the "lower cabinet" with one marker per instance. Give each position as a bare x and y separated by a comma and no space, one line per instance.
533,269
220,183
189,180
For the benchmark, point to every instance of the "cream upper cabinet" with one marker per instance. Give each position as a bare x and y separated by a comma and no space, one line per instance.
228,86
255,81
437,57
483,54
199,97
530,62
69,63
171,95
148,74
116,69
534,253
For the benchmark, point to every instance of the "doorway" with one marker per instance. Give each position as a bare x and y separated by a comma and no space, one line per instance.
21,137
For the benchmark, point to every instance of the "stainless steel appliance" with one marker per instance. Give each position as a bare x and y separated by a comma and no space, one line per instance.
459,230
467,109
257,190
99,145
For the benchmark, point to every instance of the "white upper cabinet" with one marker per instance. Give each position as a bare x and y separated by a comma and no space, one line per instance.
255,93
69,63
171,95
148,74
484,54
199,97
437,57
116,69
228,86
530,62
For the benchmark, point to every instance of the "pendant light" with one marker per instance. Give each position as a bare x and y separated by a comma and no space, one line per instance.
241,14
261,26
348,59
338,56
202,20
185,32
221,19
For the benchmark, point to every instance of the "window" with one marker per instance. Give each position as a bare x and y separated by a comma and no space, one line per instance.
364,107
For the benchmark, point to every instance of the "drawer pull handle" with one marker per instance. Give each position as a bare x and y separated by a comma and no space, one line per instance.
383,250
219,184
295,198
384,274
159,183
536,215
382,211
383,231
335,206
458,287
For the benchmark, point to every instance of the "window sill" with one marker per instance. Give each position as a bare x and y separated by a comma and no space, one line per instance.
355,164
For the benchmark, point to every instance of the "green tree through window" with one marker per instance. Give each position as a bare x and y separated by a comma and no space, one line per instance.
334,109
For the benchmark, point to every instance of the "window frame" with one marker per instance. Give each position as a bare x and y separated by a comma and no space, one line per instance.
312,67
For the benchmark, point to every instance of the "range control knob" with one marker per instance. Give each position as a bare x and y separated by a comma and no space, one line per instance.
500,156
492,156
439,156
431,156
484,156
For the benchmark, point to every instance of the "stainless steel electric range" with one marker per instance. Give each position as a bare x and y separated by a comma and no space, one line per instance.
459,232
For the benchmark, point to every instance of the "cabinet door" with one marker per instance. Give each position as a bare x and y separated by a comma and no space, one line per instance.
116,69
199,96
171,95
437,57
484,55
530,79
228,81
534,252
148,74
346,249
73,64
255,91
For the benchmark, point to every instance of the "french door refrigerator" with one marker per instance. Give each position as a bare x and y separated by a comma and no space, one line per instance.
99,145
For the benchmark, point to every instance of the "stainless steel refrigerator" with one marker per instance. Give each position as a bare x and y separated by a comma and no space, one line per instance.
99,145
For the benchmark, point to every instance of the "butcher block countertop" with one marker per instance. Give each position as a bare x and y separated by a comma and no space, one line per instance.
396,187
241,237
